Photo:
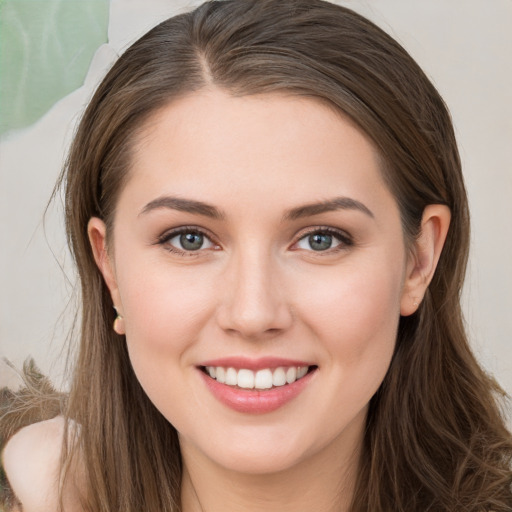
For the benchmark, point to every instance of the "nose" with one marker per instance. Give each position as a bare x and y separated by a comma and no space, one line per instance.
253,300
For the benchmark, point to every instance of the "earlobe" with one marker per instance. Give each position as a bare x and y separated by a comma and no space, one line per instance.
424,256
97,232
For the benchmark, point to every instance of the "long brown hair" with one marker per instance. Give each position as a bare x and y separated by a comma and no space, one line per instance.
435,439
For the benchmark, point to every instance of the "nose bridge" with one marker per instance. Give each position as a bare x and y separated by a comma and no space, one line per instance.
254,300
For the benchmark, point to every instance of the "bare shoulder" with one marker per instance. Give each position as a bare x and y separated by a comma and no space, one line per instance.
31,460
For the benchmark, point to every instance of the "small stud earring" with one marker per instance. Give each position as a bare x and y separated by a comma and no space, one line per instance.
415,303
119,323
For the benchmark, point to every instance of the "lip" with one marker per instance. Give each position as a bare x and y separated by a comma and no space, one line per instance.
254,401
254,364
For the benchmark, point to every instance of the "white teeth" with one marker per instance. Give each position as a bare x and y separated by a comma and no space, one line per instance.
231,377
301,371
291,374
220,374
245,379
262,379
279,377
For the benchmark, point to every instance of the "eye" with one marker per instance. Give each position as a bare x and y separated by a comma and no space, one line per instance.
324,240
186,240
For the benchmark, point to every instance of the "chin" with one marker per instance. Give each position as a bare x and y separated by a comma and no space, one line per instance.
259,450
260,462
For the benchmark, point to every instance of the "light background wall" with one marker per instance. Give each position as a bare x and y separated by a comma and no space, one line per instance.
54,57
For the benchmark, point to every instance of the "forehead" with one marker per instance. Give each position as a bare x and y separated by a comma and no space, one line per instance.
292,149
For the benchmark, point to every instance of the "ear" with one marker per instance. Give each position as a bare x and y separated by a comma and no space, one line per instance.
424,256
97,232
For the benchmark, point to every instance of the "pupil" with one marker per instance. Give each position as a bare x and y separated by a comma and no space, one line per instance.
191,241
320,241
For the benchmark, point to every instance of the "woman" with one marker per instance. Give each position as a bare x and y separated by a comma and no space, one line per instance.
265,203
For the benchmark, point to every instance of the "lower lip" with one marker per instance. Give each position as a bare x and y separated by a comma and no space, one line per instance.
256,401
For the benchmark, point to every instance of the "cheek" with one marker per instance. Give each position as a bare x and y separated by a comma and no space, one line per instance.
354,320
359,296
356,313
165,310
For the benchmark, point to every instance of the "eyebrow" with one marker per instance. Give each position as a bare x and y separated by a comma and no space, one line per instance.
184,205
331,205
208,210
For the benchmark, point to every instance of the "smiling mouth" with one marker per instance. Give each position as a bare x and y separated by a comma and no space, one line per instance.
264,379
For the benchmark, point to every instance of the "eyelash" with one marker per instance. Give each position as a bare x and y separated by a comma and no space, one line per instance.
344,238
169,235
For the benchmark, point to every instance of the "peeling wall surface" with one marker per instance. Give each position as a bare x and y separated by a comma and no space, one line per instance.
54,52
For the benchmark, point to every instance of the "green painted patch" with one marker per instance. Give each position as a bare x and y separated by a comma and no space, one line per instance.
46,47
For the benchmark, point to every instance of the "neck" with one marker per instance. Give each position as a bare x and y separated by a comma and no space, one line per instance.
323,482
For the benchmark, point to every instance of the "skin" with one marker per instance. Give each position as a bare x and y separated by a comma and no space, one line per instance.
31,460
257,288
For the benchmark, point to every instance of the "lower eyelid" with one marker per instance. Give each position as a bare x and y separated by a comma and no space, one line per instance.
165,241
343,240
206,241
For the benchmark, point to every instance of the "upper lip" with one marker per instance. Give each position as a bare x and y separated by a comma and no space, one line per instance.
254,364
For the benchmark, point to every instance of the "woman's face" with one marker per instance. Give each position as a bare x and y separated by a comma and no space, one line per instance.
256,236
